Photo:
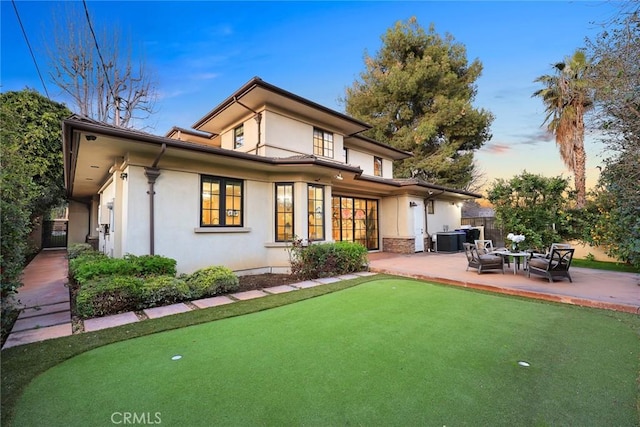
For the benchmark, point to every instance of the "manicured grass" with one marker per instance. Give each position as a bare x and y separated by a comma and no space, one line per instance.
602,265
387,352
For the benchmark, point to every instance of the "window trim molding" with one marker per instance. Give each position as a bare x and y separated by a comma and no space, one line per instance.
235,136
293,211
377,160
324,217
222,207
324,148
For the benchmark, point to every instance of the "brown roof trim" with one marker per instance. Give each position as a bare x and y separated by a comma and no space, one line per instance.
400,182
193,132
407,154
258,82
74,124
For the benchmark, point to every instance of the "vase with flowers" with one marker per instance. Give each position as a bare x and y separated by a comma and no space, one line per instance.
516,239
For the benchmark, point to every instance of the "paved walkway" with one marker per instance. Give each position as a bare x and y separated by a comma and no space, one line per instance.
46,314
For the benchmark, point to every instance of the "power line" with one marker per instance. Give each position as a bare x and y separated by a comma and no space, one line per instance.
104,67
24,33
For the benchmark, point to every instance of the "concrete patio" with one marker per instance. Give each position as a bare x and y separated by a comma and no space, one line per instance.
592,288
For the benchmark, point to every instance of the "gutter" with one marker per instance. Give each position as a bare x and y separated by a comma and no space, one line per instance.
152,173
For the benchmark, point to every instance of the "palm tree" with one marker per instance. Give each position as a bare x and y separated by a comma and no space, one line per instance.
567,97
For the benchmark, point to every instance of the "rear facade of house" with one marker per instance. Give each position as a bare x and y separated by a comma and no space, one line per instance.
262,168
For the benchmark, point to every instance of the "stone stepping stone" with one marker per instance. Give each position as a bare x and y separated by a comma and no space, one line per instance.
212,302
327,280
37,322
243,296
109,321
280,289
365,273
306,284
167,310
35,335
348,277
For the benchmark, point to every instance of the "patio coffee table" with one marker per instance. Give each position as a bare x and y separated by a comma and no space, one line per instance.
516,258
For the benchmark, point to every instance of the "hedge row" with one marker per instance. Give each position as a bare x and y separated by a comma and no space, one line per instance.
110,285
327,259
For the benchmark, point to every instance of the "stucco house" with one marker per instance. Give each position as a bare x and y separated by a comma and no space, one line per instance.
263,166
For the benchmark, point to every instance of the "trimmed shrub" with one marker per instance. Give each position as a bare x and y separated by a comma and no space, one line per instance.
148,265
108,295
91,265
160,290
211,281
327,259
76,249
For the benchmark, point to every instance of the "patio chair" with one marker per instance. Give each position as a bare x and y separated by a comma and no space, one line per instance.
484,246
482,262
557,265
553,246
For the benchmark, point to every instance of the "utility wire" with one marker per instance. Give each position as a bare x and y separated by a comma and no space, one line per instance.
95,40
24,33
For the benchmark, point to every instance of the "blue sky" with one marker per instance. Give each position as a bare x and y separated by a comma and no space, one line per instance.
202,51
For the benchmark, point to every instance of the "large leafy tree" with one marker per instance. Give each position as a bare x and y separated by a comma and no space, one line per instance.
567,97
31,173
532,205
616,79
417,92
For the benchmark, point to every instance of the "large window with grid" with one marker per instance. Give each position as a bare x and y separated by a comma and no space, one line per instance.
284,212
322,143
220,202
316,212
355,220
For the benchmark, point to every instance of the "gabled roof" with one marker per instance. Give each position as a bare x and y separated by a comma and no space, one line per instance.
257,93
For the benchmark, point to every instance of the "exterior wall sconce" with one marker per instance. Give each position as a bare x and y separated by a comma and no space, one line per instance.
339,176
124,176
412,204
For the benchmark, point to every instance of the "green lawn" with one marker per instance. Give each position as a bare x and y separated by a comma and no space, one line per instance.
602,265
386,352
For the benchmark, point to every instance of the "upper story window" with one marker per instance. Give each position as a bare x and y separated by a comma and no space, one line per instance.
322,143
346,155
377,166
284,212
220,202
238,136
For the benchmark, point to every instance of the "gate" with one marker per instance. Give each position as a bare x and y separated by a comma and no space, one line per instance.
491,231
54,233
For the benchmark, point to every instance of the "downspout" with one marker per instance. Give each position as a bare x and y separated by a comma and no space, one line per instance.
152,173
257,117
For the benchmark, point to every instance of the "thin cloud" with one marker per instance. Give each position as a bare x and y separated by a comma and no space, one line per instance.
205,76
497,148
541,136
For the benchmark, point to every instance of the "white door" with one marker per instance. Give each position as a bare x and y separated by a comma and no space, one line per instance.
418,226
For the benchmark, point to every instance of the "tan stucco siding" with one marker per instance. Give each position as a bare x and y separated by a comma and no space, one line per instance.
285,136
365,162
78,223
445,213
